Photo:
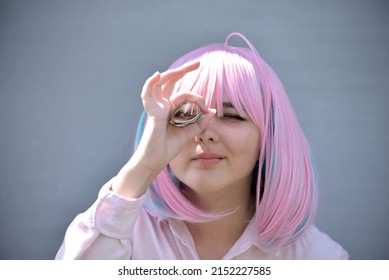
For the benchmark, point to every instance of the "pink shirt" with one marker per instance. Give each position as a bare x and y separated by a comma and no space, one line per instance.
116,227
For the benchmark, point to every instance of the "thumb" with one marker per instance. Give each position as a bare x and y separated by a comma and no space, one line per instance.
203,123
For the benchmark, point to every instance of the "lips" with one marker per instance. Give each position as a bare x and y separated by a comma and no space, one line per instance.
208,159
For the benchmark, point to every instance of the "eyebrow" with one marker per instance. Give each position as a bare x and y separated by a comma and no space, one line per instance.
227,105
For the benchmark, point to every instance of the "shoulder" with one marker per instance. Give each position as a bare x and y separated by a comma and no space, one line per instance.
314,245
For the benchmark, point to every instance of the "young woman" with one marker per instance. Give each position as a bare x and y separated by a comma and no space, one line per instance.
236,181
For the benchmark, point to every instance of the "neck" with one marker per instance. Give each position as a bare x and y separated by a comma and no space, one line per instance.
214,239
223,200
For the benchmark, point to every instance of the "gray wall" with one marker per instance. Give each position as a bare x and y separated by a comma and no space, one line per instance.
71,74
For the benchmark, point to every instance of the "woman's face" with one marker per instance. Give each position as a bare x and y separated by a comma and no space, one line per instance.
222,157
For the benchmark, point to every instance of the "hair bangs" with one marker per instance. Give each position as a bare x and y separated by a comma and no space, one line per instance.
241,86
225,72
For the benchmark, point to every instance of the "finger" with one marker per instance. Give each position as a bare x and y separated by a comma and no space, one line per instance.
171,82
172,79
168,89
178,73
190,97
202,124
147,91
157,93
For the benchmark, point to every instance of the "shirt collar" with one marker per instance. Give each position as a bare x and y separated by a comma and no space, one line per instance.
248,238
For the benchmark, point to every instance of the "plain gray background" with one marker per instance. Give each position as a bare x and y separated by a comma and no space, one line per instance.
71,74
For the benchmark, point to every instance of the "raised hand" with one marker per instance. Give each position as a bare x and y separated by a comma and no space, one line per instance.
161,141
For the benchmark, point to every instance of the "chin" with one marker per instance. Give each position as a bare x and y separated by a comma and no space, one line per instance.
204,185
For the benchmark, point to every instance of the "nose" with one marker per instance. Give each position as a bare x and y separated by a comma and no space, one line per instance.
208,135
201,139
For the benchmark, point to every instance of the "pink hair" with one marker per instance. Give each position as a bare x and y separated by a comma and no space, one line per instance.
286,196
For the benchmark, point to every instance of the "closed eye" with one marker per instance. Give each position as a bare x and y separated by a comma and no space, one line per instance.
229,112
234,116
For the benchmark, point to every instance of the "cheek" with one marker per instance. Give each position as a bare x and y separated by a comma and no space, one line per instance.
254,141
245,142
176,163
175,167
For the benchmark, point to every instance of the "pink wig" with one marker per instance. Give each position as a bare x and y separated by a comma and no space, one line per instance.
286,195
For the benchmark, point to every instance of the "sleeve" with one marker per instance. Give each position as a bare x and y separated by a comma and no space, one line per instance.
105,230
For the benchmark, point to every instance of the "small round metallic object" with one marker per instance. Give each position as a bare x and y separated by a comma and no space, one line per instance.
185,113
